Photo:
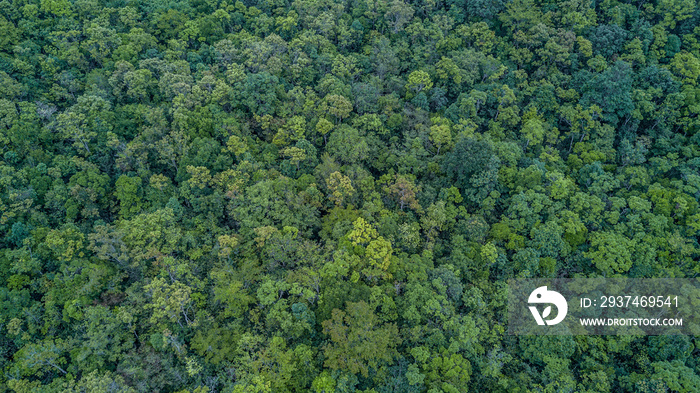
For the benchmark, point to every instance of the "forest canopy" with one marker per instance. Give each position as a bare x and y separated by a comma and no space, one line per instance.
329,196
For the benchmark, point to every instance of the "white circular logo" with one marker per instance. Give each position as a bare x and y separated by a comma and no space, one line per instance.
542,296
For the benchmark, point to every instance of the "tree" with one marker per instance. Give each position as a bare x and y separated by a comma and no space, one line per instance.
470,163
611,252
340,187
372,254
676,376
261,92
611,91
404,189
100,383
292,131
230,293
687,66
127,192
56,7
100,42
42,357
419,81
83,122
358,341
324,127
450,372
441,134
608,40
274,202
347,145
106,339
337,106
294,154
170,302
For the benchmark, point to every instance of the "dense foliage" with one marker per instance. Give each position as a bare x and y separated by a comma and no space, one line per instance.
328,196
